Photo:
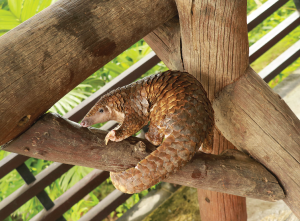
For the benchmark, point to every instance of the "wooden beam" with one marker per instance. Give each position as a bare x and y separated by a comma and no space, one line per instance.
55,138
259,122
48,55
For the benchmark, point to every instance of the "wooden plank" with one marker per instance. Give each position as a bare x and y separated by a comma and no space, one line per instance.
259,122
11,162
72,196
67,142
48,55
274,36
26,192
105,206
281,62
264,11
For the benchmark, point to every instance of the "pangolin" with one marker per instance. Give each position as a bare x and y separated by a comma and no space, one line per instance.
181,119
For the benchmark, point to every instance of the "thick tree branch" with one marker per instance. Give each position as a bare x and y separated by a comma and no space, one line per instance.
57,139
48,55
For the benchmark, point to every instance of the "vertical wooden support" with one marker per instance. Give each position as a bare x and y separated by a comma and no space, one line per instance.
212,45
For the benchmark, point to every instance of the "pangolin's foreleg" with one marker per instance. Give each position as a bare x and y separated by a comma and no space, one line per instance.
128,127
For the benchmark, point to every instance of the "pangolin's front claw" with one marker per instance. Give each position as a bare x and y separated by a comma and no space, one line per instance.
106,140
110,136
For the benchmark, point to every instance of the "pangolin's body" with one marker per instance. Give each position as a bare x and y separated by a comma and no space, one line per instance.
181,119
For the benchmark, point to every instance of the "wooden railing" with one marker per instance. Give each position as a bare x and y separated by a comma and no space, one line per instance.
35,185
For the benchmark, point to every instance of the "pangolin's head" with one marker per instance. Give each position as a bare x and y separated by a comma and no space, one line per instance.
104,110
98,114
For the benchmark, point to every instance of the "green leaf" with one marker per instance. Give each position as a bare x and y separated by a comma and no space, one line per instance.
7,20
29,9
114,67
15,7
44,4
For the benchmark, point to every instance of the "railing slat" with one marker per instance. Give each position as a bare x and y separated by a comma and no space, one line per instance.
274,36
263,12
11,162
106,206
26,192
72,196
281,62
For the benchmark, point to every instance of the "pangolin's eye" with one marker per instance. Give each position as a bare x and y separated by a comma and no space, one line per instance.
101,110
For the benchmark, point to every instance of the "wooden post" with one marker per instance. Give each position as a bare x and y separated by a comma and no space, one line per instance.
213,46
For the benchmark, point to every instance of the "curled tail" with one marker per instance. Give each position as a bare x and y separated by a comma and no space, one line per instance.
170,156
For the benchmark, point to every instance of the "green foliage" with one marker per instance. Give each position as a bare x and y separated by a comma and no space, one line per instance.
14,12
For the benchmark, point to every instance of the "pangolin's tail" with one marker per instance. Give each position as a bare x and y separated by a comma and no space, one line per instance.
166,159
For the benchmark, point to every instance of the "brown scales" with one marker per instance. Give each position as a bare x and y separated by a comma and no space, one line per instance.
181,119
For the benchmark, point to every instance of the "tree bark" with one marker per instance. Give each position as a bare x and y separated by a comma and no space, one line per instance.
57,139
48,55
212,45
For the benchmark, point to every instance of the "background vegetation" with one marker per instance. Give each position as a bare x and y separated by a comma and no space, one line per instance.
14,12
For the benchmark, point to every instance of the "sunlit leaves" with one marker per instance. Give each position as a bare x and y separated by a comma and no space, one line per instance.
19,11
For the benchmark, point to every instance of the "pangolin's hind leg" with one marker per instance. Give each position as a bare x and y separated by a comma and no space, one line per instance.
154,136
207,146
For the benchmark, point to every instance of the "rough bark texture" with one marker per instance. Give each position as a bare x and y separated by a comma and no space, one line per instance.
259,122
213,46
57,139
48,55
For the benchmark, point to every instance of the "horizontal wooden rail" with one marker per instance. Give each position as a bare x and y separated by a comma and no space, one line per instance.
72,196
263,12
105,206
274,36
281,62
26,192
